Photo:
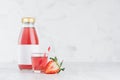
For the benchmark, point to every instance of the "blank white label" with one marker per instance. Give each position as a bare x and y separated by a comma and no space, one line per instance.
25,52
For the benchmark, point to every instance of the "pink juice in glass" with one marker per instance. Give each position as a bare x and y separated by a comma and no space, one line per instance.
38,62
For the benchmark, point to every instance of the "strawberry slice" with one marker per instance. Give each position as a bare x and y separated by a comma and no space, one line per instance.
53,67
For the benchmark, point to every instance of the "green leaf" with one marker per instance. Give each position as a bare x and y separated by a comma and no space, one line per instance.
56,59
52,58
61,63
62,69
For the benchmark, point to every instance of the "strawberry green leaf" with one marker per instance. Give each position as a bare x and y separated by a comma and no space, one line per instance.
61,63
62,69
52,58
56,59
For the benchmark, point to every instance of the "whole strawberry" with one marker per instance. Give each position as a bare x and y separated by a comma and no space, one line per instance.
53,66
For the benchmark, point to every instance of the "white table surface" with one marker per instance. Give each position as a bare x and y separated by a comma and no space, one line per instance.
73,71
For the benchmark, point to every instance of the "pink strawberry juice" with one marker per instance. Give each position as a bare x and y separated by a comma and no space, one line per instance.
38,62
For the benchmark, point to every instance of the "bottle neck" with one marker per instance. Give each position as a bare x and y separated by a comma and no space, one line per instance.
28,24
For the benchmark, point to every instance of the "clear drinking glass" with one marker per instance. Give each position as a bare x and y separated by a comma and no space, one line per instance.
39,61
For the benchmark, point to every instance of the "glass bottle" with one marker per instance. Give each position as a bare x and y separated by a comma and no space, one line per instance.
28,43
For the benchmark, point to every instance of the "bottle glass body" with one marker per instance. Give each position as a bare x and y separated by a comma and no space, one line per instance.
28,44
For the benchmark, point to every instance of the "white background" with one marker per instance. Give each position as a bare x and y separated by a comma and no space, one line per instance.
82,30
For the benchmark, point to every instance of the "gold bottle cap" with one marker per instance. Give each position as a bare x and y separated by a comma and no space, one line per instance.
28,20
